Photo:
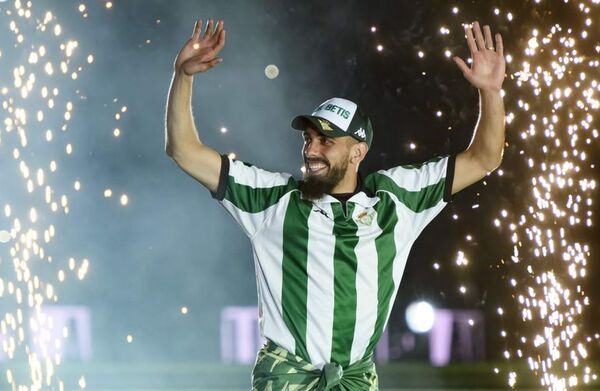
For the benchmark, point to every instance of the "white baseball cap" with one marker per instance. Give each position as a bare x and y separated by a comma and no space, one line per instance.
338,117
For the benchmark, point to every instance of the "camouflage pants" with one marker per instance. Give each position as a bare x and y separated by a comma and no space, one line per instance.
276,369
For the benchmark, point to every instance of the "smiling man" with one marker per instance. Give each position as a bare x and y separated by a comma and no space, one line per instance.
330,249
337,136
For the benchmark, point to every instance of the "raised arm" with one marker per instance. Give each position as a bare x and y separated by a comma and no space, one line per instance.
484,154
182,143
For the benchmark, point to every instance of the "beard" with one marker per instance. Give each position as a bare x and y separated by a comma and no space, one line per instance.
314,187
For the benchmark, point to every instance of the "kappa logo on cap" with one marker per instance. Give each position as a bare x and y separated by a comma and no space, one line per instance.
325,125
361,133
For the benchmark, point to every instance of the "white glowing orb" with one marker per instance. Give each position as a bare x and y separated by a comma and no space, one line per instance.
271,71
420,316
4,236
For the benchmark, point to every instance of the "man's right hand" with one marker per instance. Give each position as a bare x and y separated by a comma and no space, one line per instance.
199,53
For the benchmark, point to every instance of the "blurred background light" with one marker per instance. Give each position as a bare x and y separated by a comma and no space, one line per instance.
420,316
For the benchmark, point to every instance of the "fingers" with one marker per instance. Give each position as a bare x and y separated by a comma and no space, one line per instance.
479,41
211,32
215,61
470,39
214,37
220,42
499,45
220,27
479,36
197,28
209,29
208,49
489,43
461,64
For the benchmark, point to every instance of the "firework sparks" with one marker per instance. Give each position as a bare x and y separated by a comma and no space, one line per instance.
557,95
38,106
556,89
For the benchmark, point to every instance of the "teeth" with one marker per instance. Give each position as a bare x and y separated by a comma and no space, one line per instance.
315,167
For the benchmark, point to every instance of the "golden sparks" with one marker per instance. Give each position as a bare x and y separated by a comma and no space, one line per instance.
556,93
38,102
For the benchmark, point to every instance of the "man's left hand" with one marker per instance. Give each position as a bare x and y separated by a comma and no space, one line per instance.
488,64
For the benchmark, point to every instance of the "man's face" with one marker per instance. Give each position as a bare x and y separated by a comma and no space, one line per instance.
325,160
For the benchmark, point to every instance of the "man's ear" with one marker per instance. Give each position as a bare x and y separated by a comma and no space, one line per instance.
359,151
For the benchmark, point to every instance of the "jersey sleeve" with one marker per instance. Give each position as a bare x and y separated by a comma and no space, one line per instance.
248,193
422,190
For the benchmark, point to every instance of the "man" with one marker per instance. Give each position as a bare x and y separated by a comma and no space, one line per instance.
330,249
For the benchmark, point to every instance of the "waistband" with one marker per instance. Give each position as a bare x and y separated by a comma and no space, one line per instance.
332,373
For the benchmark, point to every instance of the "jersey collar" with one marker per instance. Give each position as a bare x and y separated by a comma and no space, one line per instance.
362,196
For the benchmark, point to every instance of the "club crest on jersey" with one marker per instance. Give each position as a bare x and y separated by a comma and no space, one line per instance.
365,217
325,125
361,133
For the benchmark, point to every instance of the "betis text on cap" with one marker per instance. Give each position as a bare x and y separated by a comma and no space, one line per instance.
338,117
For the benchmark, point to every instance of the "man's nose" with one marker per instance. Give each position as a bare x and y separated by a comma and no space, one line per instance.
311,150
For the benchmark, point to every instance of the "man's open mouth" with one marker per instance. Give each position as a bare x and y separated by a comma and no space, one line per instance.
315,167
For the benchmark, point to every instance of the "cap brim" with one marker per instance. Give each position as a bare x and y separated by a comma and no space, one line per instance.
302,121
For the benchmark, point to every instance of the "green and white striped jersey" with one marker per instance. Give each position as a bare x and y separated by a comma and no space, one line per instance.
327,277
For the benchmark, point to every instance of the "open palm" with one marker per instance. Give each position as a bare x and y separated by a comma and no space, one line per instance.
488,64
200,51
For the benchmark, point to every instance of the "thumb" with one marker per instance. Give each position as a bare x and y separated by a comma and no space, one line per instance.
461,65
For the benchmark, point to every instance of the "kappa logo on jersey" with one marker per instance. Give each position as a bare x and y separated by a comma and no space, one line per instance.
361,133
325,125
